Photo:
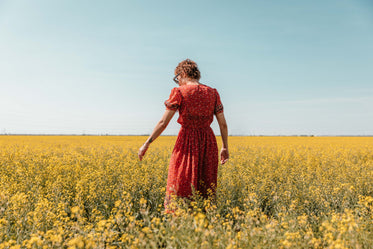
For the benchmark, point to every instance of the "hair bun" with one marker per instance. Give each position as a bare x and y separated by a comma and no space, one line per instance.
189,68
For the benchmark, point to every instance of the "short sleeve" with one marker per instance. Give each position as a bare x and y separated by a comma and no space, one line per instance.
218,105
174,101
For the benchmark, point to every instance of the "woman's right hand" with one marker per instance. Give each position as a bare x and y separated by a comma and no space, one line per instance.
143,150
224,155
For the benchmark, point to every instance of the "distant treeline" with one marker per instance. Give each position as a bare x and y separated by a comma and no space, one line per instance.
239,135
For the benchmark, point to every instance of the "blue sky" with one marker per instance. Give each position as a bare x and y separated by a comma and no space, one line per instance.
97,67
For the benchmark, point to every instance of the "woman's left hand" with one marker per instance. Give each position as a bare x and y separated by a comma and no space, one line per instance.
224,155
143,150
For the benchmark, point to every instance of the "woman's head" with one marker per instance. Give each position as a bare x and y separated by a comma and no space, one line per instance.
188,69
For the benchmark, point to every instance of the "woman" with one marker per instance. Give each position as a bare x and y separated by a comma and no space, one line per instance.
194,160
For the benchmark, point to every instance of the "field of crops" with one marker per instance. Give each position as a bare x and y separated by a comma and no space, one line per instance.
274,192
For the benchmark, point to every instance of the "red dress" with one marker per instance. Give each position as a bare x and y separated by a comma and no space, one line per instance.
194,160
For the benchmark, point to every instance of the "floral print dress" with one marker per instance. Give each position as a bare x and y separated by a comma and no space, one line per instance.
194,160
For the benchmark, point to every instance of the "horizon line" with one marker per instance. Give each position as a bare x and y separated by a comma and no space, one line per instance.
231,135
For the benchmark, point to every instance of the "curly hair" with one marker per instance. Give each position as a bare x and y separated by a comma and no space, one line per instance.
189,68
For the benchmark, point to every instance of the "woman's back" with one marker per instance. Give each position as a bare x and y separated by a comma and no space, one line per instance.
197,104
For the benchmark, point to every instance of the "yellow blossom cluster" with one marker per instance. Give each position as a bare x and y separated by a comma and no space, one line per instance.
274,192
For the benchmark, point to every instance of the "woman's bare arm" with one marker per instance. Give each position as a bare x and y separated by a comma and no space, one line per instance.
159,128
223,129
224,154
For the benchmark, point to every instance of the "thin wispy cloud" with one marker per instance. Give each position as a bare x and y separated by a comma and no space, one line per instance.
335,100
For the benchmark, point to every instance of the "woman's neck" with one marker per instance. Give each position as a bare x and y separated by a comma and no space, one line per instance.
190,82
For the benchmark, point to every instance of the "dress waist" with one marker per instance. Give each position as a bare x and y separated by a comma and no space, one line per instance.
192,127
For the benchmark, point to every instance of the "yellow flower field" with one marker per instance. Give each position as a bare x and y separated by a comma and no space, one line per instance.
274,192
